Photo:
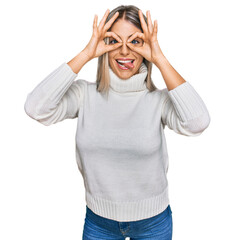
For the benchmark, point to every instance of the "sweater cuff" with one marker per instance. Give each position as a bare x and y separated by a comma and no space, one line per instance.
188,104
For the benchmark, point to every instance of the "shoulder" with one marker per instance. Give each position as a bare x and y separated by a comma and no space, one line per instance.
159,94
84,88
164,94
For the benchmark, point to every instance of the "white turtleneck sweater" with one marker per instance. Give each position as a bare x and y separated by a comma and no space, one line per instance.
121,149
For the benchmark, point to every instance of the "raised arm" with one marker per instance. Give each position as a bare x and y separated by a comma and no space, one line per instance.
58,96
184,111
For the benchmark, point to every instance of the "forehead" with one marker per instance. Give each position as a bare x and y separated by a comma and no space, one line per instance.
124,28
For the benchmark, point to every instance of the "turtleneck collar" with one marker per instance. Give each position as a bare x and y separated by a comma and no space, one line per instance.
135,83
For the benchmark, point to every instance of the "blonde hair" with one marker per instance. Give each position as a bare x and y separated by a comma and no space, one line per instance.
129,13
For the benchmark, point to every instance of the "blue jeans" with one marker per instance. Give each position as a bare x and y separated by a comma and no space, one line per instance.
158,227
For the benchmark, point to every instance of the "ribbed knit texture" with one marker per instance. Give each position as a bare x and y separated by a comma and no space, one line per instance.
133,84
121,149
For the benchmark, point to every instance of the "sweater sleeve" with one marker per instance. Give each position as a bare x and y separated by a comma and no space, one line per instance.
57,97
183,110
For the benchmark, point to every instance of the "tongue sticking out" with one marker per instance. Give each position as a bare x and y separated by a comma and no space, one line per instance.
128,64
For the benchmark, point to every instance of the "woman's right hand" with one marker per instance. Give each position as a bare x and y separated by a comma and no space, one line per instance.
96,46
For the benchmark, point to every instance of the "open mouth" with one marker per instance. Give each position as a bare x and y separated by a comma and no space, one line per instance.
125,64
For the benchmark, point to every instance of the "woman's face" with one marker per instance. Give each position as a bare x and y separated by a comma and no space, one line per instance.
124,29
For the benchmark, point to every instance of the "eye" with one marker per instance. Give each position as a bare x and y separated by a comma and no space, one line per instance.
112,41
135,40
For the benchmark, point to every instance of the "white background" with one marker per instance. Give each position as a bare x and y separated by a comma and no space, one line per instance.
42,191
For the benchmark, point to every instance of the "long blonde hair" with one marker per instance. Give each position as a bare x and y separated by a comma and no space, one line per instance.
129,13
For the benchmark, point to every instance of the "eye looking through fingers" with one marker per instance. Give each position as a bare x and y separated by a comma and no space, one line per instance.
111,40
136,42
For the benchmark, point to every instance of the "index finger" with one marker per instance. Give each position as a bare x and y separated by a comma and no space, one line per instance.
113,35
110,22
101,24
150,25
142,21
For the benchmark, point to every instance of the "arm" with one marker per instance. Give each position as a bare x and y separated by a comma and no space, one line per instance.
58,96
78,61
171,77
184,111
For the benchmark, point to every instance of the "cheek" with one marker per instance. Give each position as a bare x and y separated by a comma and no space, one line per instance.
140,57
111,58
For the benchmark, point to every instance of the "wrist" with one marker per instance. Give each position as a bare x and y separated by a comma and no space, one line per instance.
78,62
84,56
158,61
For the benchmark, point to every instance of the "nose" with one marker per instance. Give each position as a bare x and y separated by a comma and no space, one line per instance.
124,50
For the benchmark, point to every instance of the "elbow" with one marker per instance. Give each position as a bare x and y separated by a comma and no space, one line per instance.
32,112
32,115
29,109
202,122
198,125
206,121
45,123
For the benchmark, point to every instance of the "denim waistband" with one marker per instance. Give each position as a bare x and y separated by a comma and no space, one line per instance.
97,218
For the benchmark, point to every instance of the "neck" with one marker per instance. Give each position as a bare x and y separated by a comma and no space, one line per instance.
135,83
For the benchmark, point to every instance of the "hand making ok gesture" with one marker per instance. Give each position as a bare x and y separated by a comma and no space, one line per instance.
96,46
150,49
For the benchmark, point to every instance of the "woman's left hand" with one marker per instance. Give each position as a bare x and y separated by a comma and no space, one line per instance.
150,49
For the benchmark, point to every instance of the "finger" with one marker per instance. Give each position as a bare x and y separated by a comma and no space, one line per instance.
155,27
101,24
95,22
142,21
135,35
150,25
113,47
110,22
114,35
134,48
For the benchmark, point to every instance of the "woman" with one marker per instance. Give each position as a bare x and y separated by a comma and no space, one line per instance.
121,149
